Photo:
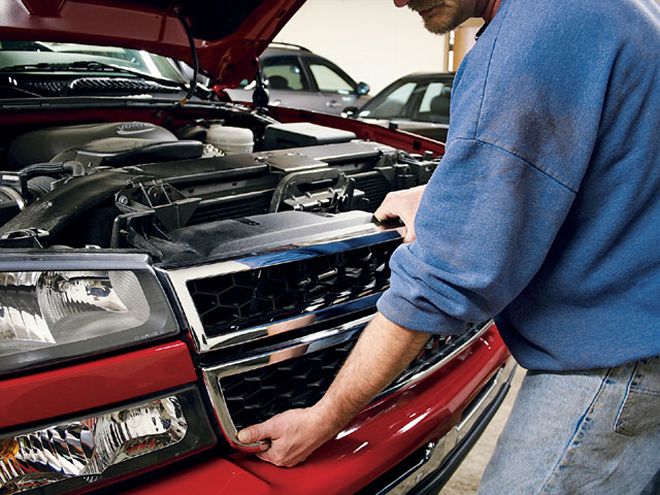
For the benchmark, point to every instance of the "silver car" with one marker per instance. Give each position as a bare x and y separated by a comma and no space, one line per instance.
298,78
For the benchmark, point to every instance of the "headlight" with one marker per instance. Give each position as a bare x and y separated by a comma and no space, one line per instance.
70,454
50,314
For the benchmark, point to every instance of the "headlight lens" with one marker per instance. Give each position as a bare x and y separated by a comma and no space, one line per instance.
52,315
75,453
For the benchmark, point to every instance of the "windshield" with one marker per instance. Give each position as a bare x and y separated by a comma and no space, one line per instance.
19,53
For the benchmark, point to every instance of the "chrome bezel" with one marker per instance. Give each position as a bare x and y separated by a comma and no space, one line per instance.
337,242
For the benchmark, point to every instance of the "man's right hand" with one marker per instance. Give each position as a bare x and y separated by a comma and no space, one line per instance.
402,205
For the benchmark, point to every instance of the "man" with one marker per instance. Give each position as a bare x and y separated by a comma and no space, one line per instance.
545,213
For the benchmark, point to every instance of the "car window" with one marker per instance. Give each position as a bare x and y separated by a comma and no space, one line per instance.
434,106
392,105
284,73
327,79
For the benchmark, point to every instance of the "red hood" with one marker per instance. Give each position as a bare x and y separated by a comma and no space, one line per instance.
229,34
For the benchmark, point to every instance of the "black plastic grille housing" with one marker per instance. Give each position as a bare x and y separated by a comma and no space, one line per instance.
231,302
232,208
260,394
375,187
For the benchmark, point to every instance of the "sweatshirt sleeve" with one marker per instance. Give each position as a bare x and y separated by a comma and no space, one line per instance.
485,224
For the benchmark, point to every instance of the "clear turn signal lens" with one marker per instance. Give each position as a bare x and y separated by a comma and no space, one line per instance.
85,449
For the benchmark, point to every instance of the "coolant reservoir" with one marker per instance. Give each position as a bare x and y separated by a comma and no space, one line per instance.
230,140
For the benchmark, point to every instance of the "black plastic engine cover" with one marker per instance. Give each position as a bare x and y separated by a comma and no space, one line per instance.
42,145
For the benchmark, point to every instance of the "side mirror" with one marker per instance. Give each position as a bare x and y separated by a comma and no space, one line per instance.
349,112
363,88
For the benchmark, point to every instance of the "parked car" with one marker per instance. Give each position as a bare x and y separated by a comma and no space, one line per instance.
174,267
299,78
417,103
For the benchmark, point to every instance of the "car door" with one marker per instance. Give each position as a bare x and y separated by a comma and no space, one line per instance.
288,83
430,113
420,106
335,88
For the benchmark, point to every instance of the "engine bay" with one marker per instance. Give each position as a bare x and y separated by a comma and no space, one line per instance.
179,192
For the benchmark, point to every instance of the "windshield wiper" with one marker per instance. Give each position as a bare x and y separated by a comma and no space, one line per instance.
89,66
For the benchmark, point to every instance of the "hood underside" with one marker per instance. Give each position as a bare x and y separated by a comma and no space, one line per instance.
229,34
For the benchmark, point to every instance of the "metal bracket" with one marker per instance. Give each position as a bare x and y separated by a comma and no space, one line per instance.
168,205
327,190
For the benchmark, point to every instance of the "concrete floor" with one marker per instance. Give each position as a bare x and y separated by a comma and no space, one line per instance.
466,478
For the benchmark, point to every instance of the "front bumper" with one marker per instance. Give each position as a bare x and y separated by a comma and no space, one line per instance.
427,470
447,405
390,430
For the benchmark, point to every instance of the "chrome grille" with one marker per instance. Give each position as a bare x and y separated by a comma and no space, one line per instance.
260,394
284,321
255,390
254,297
233,302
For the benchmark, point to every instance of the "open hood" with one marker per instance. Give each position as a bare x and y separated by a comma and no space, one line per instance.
229,34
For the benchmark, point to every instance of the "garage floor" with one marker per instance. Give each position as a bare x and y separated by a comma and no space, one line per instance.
466,479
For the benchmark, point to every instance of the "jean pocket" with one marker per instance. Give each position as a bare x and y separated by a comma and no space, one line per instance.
640,410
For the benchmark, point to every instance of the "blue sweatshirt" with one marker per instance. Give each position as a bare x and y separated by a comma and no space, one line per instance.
545,210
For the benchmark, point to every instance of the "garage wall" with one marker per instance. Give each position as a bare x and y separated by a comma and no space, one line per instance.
370,39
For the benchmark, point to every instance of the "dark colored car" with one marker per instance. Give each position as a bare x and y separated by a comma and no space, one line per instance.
417,103
174,266
299,78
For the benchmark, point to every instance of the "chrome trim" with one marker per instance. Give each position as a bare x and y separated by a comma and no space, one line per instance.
340,241
470,416
304,345
61,260
437,451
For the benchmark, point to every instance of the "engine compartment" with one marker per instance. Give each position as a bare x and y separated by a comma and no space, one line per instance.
177,192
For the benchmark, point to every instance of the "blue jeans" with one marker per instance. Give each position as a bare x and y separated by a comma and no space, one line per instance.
592,432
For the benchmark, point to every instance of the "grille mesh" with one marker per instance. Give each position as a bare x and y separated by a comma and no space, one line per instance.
260,394
232,302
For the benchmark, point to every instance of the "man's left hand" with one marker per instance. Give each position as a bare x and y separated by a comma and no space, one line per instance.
293,435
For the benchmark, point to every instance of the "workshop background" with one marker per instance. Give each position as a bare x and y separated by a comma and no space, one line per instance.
380,42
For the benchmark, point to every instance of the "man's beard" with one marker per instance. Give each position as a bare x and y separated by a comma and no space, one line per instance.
450,14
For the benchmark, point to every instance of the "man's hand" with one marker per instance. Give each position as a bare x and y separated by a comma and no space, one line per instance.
382,352
402,205
293,435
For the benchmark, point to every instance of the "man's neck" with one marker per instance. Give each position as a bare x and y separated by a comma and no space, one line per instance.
488,8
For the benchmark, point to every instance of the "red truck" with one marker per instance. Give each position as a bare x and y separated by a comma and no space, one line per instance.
175,266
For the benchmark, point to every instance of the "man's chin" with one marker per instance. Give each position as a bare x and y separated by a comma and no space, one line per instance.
439,26
442,18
